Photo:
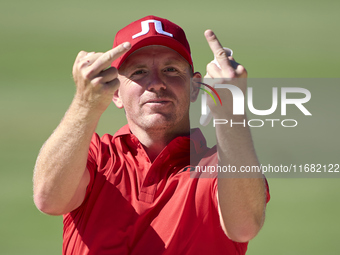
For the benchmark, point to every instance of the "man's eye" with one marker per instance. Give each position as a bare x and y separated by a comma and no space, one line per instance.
138,72
170,69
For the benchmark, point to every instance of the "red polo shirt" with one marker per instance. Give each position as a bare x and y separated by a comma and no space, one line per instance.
133,206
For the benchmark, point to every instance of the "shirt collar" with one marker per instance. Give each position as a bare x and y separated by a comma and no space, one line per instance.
125,130
196,138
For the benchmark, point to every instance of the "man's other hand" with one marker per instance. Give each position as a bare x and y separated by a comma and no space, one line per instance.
95,79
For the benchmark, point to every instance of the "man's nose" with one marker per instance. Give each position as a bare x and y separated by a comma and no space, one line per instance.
156,81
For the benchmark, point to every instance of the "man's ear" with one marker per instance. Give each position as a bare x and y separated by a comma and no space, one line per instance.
195,86
117,100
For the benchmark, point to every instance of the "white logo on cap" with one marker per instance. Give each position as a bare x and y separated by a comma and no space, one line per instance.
146,28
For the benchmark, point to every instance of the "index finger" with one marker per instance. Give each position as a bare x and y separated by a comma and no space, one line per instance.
217,49
105,60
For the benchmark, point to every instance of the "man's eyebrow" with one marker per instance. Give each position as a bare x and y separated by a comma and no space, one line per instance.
168,61
173,61
136,66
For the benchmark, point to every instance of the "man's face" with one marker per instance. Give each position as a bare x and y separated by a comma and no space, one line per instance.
155,89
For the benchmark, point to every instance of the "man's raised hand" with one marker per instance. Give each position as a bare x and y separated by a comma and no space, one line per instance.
228,71
95,79
228,66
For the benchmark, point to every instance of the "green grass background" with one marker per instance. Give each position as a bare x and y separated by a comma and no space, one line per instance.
39,41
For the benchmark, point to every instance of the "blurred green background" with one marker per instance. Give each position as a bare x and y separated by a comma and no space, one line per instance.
39,41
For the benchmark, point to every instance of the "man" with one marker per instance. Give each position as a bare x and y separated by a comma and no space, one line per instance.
131,193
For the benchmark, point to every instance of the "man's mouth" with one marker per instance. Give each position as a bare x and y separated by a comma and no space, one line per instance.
158,101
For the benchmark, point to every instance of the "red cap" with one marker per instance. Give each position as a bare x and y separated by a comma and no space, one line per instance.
152,30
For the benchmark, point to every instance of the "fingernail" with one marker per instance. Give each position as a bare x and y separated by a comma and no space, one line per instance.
127,45
209,33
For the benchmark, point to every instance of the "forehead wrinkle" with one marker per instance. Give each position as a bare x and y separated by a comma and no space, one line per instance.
133,63
141,65
135,60
170,61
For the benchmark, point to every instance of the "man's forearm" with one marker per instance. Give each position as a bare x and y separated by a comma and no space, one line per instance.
62,161
60,177
241,195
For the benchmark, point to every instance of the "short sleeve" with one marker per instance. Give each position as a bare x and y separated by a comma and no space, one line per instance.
92,160
214,192
267,191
